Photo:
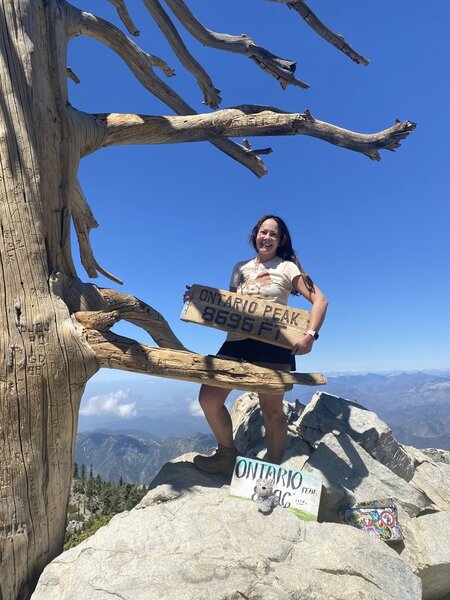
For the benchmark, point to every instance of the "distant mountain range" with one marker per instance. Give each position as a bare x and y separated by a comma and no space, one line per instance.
415,405
133,455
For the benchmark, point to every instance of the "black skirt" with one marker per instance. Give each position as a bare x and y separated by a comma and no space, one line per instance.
256,351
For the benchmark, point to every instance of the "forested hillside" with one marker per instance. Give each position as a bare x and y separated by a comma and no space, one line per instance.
93,502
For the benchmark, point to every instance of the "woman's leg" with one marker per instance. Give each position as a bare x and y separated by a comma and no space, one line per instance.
275,420
212,400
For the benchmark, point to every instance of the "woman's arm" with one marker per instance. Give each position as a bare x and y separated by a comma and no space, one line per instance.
318,312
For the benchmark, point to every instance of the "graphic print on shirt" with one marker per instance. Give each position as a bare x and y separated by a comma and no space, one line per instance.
254,279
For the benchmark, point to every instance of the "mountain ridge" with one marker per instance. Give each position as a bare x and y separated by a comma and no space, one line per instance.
114,455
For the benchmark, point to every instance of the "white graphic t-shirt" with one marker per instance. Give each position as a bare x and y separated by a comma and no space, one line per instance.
271,280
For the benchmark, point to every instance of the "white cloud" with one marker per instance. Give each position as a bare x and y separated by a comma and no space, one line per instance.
195,409
109,404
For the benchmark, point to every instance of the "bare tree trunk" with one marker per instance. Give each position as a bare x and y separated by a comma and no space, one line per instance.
45,364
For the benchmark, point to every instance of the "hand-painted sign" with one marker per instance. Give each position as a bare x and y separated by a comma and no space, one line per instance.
298,491
246,316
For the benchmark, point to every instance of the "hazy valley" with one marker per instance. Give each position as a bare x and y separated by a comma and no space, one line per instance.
133,455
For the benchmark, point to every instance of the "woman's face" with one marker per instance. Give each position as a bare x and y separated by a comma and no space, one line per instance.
267,240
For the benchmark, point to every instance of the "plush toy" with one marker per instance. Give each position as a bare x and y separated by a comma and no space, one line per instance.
265,496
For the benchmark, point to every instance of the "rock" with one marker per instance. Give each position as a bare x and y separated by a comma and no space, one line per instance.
437,455
248,430
296,454
248,424
200,543
189,477
327,413
432,475
426,549
433,565
73,527
351,475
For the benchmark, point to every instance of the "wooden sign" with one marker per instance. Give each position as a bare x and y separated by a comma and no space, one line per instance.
246,316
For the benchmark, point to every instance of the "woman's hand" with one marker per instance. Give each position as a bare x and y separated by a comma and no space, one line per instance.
304,345
187,294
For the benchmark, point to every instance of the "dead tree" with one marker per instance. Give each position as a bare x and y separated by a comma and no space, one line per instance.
55,329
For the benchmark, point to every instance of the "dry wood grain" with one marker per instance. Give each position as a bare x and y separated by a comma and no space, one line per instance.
116,352
247,316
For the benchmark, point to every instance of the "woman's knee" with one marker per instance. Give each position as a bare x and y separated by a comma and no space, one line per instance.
212,397
274,416
273,412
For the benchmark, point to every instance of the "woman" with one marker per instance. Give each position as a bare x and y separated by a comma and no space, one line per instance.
273,274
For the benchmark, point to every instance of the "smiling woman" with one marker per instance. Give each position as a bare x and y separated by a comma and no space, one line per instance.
272,275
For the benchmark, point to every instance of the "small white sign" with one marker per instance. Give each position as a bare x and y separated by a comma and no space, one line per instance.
298,491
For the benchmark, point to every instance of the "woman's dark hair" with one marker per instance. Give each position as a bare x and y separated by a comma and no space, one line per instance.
285,249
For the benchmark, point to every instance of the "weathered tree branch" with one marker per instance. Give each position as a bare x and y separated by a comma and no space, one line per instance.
335,39
125,17
283,70
116,352
247,120
97,319
210,92
82,23
107,274
73,76
84,221
142,315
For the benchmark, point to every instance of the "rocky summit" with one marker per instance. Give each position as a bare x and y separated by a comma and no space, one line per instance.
189,539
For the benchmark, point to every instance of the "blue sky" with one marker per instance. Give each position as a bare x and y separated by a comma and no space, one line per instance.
374,236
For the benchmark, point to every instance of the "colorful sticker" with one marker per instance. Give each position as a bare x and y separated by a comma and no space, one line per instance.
378,519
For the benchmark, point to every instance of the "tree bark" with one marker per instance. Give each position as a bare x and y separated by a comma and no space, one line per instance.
47,362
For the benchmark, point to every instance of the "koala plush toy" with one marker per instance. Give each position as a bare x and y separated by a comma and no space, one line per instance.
265,496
